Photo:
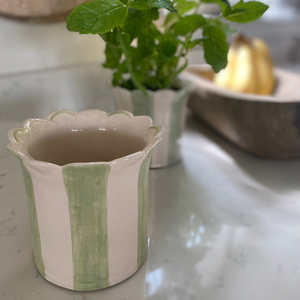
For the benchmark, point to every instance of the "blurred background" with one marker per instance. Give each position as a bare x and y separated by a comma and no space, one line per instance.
45,67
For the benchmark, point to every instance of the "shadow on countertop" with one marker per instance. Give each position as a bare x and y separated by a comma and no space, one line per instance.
278,175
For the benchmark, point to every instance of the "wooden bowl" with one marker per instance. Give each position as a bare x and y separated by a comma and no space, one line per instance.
268,126
38,10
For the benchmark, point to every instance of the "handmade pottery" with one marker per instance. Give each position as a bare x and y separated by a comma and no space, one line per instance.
86,177
267,126
166,108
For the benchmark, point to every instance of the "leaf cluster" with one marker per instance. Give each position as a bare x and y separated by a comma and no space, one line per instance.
144,55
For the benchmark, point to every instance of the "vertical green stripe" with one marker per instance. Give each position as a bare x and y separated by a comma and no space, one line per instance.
32,216
176,127
86,187
143,196
142,104
33,220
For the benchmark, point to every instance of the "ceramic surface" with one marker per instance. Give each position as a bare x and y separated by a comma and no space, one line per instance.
86,178
166,108
267,126
223,225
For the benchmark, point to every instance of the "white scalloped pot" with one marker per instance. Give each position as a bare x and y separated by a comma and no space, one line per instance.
86,178
166,108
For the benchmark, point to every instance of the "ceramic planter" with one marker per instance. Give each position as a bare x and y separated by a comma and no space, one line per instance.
166,108
86,177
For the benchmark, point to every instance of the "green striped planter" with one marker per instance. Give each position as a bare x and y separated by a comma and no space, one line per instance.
86,178
166,108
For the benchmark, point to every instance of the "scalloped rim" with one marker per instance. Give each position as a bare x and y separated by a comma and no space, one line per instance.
17,149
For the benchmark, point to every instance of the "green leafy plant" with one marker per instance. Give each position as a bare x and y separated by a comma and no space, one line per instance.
145,56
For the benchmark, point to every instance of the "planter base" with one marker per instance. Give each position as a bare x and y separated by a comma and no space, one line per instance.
113,281
167,108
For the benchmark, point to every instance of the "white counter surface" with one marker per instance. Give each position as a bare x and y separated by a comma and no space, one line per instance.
223,224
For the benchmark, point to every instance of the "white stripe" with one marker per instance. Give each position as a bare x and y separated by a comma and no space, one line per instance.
52,208
162,109
122,218
151,205
123,99
184,112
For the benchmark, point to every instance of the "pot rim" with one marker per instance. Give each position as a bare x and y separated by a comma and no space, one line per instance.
187,86
20,137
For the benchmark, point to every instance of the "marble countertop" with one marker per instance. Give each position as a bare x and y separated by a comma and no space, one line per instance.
223,224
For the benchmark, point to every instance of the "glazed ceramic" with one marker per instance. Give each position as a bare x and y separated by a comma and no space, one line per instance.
166,108
267,126
86,177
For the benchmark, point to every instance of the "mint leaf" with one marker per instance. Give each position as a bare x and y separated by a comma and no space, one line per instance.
138,22
215,47
171,18
124,40
146,4
196,42
117,78
244,12
224,27
145,46
168,46
141,4
230,11
97,17
113,56
134,22
151,14
183,6
110,37
113,49
120,70
155,32
188,24
123,67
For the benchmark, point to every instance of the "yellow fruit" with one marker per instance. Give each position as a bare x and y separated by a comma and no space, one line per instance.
222,79
264,66
243,77
249,69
